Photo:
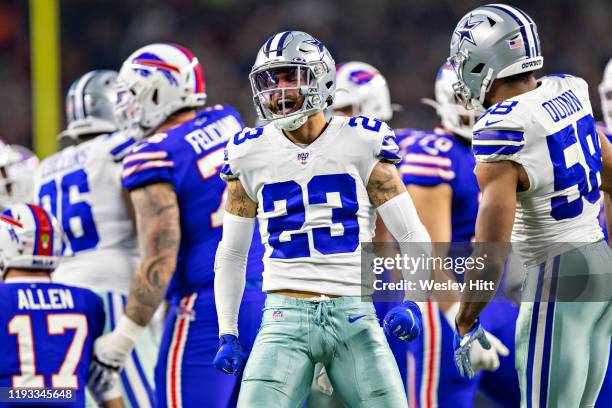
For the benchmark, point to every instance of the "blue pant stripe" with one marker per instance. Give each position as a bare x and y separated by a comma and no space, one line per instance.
533,332
550,313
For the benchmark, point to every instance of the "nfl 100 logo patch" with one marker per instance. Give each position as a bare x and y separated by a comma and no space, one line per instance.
277,315
302,157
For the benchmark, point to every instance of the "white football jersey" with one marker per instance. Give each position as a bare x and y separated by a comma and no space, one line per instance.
313,207
550,132
81,186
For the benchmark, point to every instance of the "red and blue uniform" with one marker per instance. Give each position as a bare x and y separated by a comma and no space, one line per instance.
189,157
431,158
47,332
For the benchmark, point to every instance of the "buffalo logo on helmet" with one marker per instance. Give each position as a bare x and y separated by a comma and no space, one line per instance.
151,60
361,76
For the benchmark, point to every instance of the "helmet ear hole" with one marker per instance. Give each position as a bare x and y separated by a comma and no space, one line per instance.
155,97
478,68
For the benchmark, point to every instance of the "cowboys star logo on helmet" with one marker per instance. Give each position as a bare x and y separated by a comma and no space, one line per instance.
465,32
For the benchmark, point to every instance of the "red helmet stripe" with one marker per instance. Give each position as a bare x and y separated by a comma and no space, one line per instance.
11,221
44,233
199,72
157,64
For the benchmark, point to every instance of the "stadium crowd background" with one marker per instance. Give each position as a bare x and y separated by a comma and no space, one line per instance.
405,40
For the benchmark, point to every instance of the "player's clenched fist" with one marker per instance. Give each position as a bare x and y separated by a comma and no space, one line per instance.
229,358
404,322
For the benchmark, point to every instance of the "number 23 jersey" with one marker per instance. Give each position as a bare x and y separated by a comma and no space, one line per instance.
550,131
313,207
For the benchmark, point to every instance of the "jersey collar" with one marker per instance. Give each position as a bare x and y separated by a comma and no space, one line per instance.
28,279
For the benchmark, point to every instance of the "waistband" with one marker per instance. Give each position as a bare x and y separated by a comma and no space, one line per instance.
273,299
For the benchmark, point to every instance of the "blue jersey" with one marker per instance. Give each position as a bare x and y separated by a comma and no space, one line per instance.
437,157
47,332
189,158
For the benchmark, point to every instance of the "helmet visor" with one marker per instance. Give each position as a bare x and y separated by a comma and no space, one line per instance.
282,90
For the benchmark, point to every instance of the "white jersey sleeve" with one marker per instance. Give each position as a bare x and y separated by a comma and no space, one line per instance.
313,207
550,132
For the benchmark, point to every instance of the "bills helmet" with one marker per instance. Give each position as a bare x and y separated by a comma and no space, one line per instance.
294,77
362,87
17,167
605,93
490,42
90,105
454,116
30,238
164,78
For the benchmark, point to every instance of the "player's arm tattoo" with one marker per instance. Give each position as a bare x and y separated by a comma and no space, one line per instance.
238,202
384,183
159,235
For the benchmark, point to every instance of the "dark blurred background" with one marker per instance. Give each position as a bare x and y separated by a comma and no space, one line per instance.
406,40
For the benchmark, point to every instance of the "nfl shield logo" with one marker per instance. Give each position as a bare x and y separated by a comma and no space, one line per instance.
303,157
277,315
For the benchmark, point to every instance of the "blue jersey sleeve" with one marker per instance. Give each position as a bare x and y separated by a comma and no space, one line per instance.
427,160
149,162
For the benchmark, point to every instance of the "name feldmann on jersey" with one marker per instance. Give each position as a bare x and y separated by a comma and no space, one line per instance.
313,207
81,187
551,132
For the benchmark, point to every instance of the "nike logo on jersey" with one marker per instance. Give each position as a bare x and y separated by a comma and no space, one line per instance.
354,319
487,123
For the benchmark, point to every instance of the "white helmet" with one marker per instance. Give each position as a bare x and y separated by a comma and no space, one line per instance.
30,238
362,87
17,167
455,117
605,93
164,78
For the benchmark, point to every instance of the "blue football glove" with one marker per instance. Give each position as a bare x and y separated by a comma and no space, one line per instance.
229,358
462,346
404,322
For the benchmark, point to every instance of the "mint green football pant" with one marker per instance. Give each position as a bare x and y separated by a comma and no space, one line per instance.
562,347
343,334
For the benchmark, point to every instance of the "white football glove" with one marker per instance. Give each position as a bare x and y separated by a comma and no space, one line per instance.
111,351
488,359
481,358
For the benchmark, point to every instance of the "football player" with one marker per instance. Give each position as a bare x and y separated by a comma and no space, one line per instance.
605,218
605,127
540,167
81,187
48,328
174,184
437,168
17,166
314,185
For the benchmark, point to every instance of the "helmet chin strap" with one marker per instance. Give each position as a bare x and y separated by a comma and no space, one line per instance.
291,123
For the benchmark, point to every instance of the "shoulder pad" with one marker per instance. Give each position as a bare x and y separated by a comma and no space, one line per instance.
380,135
499,132
236,149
